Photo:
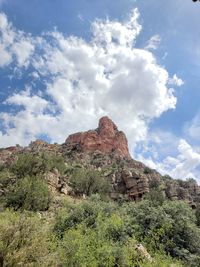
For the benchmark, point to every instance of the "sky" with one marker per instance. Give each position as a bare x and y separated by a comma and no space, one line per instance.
64,64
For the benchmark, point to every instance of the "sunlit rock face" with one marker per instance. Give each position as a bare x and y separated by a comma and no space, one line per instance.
106,139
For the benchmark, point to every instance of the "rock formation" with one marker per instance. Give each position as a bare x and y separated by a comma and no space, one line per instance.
105,149
106,138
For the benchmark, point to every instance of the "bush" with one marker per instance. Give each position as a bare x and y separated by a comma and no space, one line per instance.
83,213
185,233
88,182
32,165
54,161
26,164
156,197
148,170
5,178
25,241
197,213
95,234
170,228
29,193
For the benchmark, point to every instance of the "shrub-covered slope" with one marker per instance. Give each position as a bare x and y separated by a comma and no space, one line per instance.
62,206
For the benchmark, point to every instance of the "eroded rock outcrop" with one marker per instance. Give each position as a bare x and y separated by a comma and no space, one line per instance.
105,149
106,138
8,155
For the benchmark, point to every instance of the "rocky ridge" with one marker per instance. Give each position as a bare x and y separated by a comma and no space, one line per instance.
106,149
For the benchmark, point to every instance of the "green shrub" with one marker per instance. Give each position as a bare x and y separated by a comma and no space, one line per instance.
5,178
31,165
170,227
88,182
2,167
156,197
80,248
26,164
29,193
54,161
148,170
83,213
185,234
94,233
25,241
197,213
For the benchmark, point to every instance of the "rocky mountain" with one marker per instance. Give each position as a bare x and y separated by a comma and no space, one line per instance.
105,149
106,139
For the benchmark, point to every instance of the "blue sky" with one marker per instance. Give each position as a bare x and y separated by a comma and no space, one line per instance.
64,64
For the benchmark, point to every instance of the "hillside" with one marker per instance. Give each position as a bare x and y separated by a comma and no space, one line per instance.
87,203
105,149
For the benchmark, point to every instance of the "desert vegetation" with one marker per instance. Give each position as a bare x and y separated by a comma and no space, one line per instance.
39,228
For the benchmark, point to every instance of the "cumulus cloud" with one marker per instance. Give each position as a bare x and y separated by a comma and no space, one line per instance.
14,44
32,104
158,144
6,57
186,164
83,80
169,154
175,81
23,50
153,42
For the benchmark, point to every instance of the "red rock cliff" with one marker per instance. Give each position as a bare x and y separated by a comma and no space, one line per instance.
106,138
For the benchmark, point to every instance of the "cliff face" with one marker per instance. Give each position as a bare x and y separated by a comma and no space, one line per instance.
106,139
106,149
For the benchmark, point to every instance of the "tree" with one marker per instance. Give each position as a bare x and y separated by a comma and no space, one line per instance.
88,182
29,193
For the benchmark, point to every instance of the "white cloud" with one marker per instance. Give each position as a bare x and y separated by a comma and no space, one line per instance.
32,104
112,33
159,144
84,80
6,38
169,154
175,81
5,56
153,43
186,164
23,50
14,44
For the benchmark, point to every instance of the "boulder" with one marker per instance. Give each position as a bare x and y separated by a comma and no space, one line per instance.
144,253
66,189
52,180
